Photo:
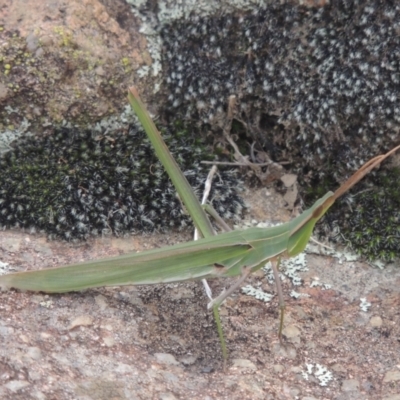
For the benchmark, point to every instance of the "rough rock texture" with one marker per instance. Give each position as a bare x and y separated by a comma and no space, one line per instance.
316,87
312,84
66,60
159,342
316,83
79,183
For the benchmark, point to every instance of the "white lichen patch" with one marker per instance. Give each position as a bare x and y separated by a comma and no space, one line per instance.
3,268
143,71
115,122
171,10
318,371
297,295
257,293
47,304
323,286
13,132
323,375
342,256
289,269
378,263
364,304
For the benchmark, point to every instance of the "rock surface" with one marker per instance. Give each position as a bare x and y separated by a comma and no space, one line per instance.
73,60
67,60
152,343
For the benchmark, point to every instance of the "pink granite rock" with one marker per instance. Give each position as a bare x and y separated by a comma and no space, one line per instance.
67,59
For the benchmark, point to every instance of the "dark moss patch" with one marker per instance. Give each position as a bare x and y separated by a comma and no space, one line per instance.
315,86
74,183
373,227
367,219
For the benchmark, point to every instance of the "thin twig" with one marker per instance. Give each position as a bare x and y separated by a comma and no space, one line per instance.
321,244
253,156
239,164
208,183
274,171
206,193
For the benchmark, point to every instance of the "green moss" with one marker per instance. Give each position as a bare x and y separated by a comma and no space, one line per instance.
64,36
373,228
126,63
368,218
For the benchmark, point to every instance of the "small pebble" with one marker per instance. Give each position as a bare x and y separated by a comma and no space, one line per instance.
34,353
243,363
350,385
278,368
189,360
101,301
376,322
392,397
392,376
16,385
109,341
82,320
164,358
291,331
167,396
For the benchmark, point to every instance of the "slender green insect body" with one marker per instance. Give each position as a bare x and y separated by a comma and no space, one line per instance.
228,254
223,255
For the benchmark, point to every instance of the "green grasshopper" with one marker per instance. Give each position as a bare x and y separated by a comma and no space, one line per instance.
228,254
